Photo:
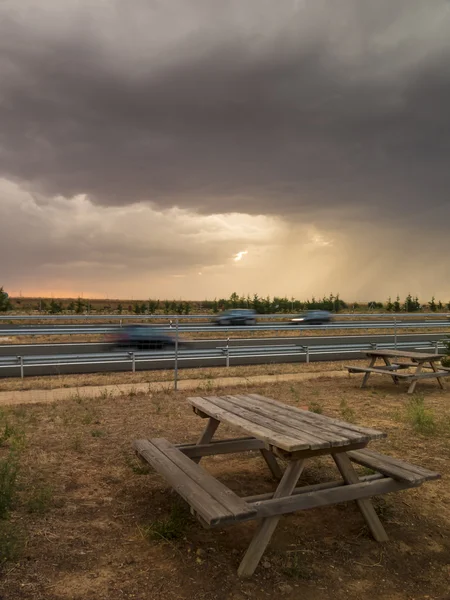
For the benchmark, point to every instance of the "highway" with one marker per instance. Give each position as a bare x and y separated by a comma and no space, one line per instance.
10,330
96,347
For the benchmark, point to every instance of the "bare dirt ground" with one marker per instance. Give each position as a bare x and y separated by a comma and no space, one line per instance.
90,522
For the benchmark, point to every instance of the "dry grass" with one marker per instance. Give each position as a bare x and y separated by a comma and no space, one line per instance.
90,531
232,334
48,382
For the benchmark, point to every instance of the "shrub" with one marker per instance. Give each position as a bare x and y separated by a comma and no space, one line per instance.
421,418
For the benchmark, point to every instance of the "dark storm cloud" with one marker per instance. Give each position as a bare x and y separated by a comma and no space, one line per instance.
259,107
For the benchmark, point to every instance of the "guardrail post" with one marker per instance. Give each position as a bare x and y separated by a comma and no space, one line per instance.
133,362
20,358
395,333
436,347
307,355
176,356
120,323
228,352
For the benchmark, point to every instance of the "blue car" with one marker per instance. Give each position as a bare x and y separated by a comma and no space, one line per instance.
143,337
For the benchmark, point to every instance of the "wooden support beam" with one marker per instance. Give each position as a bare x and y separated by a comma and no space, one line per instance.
350,476
266,528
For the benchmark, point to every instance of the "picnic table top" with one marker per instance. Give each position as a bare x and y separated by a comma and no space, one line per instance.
282,426
418,356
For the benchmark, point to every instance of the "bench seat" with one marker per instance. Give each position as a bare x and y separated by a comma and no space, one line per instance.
392,467
380,371
211,500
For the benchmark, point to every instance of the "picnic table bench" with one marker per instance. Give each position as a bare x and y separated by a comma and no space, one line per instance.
277,431
418,361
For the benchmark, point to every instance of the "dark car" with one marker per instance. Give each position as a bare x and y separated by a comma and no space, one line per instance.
142,337
236,316
313,317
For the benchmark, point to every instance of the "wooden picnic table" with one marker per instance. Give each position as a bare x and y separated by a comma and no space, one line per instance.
278,431
416,361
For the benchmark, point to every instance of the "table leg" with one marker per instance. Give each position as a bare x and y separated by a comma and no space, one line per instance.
433,366
387,362
272,463
349,475
367,375
207,435
267,526
412,385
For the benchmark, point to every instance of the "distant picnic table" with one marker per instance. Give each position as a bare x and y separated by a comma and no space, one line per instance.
278,431
417,361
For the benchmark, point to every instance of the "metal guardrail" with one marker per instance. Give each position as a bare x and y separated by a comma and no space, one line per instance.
59,317
226,352
102,329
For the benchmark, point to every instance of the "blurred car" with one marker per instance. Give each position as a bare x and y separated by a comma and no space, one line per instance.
313,317
142,337
236,316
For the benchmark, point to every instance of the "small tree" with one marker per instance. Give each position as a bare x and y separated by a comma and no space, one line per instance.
5,303
55,307
432,305
79,306
397,307
119,308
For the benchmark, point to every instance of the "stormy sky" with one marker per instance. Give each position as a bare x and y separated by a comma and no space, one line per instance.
191,148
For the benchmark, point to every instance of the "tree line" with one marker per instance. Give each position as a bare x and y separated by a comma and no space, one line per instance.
262,305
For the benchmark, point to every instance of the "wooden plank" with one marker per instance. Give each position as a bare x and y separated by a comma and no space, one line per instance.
428,375
367,374
267,527
221,447
272,463
235,407
305,489
306,417
421,356
368,456
372,434
365,505
302,420
328,497
294,422
310,453
207,435
433,366
211,511
219,492
285,442
379,371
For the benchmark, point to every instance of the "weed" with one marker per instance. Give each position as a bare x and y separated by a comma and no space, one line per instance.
8,483
382,507
11,542
77,444
315,407
172,527
98,433
296,568
421,418
138,467
7,432
347,413
40,500
87,418
208,385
